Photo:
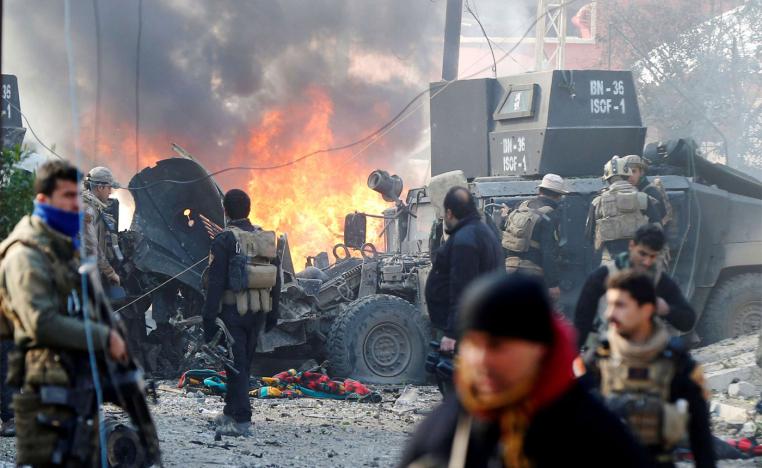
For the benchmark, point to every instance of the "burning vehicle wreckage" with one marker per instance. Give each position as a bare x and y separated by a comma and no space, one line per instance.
365,313
362,313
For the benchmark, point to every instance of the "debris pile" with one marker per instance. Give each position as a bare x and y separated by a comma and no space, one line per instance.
735,383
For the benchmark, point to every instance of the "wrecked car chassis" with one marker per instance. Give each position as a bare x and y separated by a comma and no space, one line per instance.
361,314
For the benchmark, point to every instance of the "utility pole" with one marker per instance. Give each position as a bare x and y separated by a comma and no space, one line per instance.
551,23
453,17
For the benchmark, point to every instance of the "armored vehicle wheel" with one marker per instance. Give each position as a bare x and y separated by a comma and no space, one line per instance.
379,339
734,308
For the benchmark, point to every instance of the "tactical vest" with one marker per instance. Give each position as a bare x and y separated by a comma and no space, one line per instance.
251,274
619,212
520,226
639,392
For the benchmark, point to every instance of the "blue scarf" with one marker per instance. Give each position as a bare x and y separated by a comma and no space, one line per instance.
65,222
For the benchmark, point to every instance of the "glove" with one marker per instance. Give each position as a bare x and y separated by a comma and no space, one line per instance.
210,329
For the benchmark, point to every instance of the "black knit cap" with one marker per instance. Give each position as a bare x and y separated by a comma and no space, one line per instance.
508,306
237,204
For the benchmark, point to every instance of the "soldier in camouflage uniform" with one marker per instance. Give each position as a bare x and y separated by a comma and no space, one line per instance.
100,227
41,306
619,210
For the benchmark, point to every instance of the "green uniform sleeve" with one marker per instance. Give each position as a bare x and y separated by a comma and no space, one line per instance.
34,298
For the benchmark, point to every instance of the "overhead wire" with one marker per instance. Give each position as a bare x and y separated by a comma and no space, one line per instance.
447,84
31,129
371,138
486,37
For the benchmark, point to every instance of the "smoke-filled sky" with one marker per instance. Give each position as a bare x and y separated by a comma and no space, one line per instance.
209,70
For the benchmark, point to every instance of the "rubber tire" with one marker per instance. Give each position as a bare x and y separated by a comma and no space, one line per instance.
723,315
349,332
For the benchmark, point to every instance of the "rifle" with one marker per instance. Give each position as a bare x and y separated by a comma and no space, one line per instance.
124,385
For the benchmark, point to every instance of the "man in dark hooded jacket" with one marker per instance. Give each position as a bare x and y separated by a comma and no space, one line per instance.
518,404
471,250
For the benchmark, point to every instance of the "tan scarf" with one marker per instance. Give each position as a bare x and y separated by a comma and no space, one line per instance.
643,352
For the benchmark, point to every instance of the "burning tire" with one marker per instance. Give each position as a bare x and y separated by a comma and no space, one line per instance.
734,308
379,339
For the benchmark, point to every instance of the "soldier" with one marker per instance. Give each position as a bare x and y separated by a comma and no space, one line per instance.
619,210
243,290
40,296
648,380
530,234
517,402
654,189
642,255
100,227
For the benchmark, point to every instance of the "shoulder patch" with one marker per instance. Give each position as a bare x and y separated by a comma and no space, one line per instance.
88,216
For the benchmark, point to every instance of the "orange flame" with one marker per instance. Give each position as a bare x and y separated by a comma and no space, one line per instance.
307,200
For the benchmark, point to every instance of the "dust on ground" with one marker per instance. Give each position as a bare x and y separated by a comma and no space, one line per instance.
311,432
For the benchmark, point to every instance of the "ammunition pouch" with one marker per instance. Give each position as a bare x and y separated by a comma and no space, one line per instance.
254,300
520,226
45,366
516,264
674,426
639,394
251,276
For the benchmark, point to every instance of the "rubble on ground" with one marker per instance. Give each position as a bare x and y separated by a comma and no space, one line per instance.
300,432
735,383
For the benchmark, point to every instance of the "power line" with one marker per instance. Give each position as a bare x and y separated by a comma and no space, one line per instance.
489,42
371,138
31,129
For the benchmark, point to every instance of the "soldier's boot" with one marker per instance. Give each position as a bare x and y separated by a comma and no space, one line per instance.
234,429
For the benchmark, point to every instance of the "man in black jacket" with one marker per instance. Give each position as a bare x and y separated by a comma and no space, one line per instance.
518,404
244,310
642,256
471,250
647,379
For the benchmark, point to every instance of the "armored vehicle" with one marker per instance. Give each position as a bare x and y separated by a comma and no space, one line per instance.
505,133
365,312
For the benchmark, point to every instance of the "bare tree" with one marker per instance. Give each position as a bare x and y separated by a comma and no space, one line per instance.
698,71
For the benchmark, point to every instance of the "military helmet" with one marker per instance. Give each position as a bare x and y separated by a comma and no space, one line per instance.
618,167
101,176
633,160
554,183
